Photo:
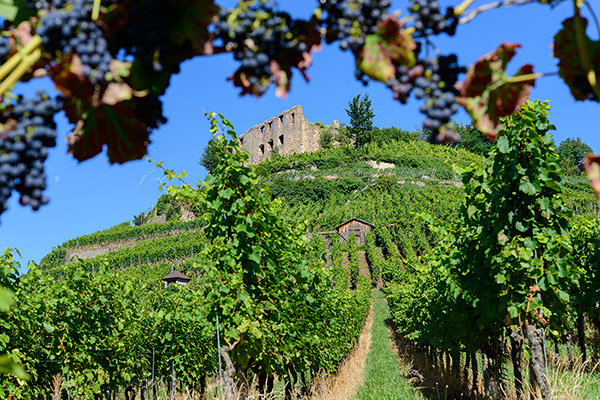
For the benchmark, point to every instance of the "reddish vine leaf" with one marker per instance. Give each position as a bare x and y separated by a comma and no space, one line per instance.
384,50
570,65
487,94
591,163
190,22
115,126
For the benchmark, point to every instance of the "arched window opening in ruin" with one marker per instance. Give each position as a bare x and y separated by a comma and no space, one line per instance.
262,149
271,126
241,141
262,131
271,144
293,118
280,139
281,123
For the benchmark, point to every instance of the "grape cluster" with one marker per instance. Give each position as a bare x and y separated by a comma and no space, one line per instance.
429,19
146,35
276,37
4,50
29,131
350,22
434,81
71,31
438,89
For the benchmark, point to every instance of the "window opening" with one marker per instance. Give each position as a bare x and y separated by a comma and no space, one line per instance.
280,139
271,144
281,123
262,149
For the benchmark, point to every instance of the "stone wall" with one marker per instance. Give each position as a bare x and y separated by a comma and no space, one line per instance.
289,131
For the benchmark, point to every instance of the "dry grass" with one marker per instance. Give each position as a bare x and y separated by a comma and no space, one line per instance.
344,384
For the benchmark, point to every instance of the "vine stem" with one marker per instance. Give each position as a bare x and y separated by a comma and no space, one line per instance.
96,10
458,10
12,62
528,77
22,68
583,53
490,6
520,78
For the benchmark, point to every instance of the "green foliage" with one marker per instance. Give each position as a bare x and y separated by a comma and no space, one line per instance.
119,233
353,257
339,271
270,302
571,152
56,257
374,257
326,138
209,159
9,364
382,136
585,235
100,329
361,120
473,140
510,257
168,206
141,219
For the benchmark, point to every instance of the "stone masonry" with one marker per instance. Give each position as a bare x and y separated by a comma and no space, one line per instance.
289,131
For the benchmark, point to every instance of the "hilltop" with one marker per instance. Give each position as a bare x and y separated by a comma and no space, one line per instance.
387,185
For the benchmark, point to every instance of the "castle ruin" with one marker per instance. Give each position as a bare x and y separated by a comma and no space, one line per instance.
289,131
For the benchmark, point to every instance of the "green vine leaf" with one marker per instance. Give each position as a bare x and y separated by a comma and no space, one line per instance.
487,93
15,11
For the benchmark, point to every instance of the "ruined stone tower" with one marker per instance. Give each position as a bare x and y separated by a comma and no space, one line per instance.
289,131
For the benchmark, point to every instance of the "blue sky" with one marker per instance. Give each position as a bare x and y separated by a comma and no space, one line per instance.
93,195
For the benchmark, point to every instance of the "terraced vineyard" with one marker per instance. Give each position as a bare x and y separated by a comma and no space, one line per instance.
94,317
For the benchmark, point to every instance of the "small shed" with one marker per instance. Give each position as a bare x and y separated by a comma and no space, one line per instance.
176,277
355,226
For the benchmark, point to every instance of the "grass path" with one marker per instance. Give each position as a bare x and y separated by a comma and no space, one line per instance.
384,376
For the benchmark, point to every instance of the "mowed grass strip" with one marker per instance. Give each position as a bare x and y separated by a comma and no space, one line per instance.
384,376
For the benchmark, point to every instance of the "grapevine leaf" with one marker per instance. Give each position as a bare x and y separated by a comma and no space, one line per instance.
487,93
384,50
192,19
15,11
8,9
115,126
8,366
6,299
570,65
591,163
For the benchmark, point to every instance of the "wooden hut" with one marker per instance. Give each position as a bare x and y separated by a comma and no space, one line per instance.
355,226
176,277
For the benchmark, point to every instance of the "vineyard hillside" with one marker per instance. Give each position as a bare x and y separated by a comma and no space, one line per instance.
387,185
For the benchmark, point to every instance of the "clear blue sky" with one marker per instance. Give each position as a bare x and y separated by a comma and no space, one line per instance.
93,195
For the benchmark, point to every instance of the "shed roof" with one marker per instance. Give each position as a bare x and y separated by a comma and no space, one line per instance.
176,275
354,219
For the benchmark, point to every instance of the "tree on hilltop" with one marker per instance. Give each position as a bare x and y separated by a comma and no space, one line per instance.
571,152
361,120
